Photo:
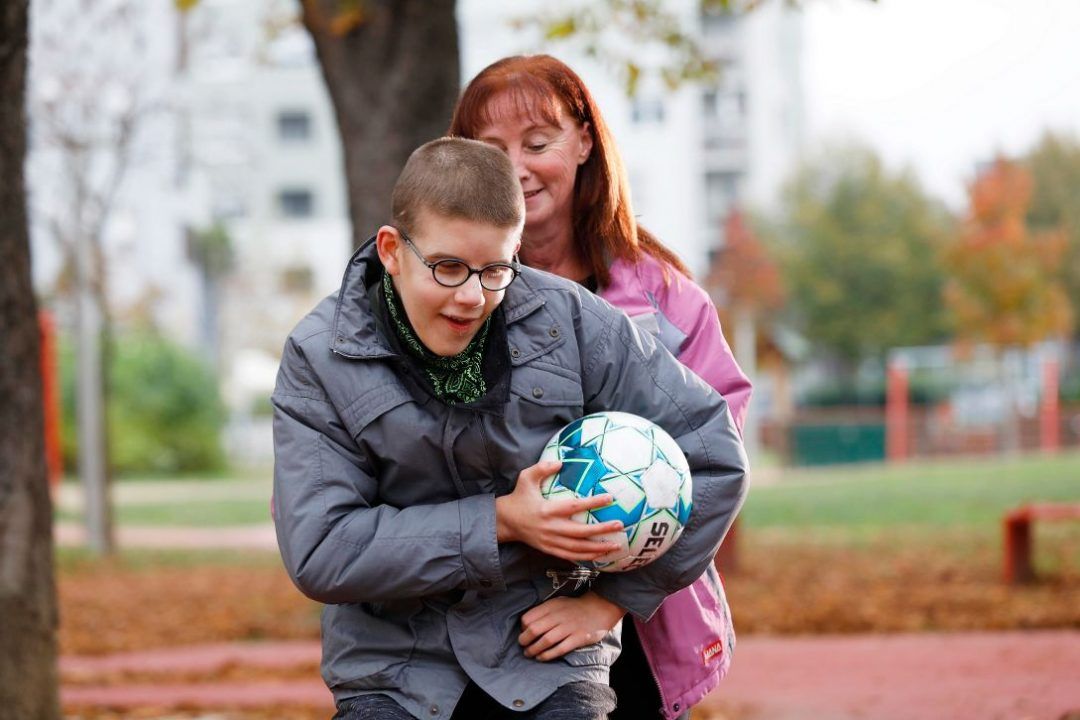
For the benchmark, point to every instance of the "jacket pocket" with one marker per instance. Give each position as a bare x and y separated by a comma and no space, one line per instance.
366,644
547,385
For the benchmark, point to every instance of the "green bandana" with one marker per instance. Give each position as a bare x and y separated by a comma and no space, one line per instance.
453,379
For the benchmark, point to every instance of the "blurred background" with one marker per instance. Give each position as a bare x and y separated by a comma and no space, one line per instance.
882,198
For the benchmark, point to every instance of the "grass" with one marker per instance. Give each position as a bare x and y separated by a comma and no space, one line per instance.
217,513
925,496
950,500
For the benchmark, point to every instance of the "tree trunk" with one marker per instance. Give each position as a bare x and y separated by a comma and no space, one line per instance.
28,675
393,78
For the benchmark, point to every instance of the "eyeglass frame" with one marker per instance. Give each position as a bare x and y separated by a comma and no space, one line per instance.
514,266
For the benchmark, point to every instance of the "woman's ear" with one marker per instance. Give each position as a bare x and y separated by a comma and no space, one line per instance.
586,140
388,243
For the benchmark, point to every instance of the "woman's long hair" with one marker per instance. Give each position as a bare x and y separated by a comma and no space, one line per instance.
603,219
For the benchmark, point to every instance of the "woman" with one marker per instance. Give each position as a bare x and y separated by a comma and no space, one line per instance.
579,223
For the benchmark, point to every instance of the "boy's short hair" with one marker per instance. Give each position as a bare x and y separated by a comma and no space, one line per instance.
458,178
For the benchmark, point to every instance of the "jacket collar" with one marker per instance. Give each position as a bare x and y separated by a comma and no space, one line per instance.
354,331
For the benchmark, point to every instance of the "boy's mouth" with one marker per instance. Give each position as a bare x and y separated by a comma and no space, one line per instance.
458,323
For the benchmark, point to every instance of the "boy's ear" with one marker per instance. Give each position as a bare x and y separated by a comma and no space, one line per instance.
388,243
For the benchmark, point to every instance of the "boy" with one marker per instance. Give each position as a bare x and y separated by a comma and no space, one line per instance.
406,407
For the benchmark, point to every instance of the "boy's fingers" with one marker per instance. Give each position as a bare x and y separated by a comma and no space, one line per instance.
569,507
566,645
590,530
541,470
596,501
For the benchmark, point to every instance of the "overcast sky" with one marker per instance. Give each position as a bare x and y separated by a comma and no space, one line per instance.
940,85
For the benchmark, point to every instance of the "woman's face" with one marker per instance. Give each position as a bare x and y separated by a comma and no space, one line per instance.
546,158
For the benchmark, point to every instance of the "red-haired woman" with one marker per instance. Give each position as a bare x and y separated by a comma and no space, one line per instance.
579,223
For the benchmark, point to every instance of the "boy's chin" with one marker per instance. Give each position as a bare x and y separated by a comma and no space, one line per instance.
449,348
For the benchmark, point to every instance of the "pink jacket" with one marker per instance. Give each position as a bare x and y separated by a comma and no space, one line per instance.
690,639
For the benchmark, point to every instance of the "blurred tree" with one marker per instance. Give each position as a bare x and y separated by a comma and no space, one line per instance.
28,612
392,70
745,272
89,104
746,284
858,246
1055,201
637,38
1004,284
211,252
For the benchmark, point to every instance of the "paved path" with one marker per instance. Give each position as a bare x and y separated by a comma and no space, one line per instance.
1004,675
956,676
240,537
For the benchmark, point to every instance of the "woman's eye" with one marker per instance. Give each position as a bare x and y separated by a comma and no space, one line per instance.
537,147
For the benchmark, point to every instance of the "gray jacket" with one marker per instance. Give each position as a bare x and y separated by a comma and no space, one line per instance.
384,497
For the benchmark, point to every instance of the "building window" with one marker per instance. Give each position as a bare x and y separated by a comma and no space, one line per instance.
721,195
296,203
294,125
647,110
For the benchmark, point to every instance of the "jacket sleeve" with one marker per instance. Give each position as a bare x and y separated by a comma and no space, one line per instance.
705,350
626,370
338,543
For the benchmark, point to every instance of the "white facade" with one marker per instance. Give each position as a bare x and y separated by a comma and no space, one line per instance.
265,161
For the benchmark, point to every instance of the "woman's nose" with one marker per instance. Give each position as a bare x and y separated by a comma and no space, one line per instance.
517,159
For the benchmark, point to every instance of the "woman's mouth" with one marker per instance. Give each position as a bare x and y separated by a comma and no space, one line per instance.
532,193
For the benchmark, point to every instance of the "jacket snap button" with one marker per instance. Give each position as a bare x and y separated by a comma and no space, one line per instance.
515,353
340,339
675,707
554,332
538,392
519,703
434,709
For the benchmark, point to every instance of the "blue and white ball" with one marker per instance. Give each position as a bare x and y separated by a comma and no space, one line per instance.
641,466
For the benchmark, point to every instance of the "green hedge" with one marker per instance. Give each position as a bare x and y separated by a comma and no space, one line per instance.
165,414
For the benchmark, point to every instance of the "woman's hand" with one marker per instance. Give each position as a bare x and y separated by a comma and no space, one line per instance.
525,516
563,624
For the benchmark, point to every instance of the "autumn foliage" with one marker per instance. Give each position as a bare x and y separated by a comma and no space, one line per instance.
1005,284
748,276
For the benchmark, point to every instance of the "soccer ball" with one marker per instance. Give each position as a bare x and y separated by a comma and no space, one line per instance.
641,466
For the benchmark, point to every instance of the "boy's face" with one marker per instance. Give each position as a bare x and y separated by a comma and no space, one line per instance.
446,319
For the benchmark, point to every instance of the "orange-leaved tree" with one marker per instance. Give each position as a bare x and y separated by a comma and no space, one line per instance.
1004,285
1005,280
745,272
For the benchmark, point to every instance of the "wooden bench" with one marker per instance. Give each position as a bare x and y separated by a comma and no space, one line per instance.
1018,540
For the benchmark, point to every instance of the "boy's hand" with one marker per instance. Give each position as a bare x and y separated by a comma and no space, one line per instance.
525,516
563,624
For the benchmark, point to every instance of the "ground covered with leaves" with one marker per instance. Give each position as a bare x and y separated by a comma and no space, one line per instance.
893,583
900,582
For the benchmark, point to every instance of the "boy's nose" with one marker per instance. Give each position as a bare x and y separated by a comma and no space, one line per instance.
471,294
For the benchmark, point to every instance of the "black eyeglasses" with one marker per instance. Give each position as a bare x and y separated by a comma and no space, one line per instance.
454,273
